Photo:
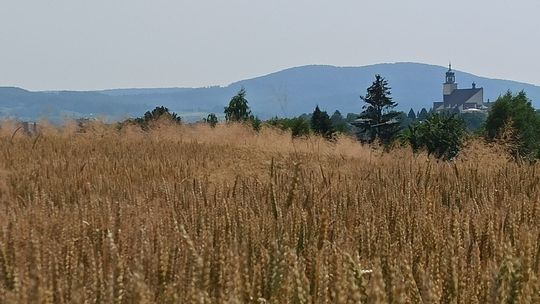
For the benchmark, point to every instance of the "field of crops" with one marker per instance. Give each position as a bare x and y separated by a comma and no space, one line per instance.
190,214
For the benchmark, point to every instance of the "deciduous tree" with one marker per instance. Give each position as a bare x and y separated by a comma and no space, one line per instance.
440,135
516,112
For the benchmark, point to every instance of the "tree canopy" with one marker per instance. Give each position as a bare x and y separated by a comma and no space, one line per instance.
440,135
321,123
514,116
157,114
161,113
299,126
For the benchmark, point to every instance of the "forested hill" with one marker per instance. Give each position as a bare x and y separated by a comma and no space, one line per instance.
284,93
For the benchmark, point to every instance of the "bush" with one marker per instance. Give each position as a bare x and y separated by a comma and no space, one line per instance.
255,122
298,126
440,135
211,119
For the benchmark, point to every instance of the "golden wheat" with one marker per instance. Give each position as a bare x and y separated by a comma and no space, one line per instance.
191,214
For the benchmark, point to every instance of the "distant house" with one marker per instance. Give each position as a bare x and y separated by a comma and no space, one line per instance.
459,100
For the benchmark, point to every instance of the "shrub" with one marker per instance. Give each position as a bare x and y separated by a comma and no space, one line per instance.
298,126
159,113
255,122
440,135
212,120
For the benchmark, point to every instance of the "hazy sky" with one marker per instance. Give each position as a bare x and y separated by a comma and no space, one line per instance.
95,44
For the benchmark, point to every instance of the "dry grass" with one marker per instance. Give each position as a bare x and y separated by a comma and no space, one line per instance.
200,215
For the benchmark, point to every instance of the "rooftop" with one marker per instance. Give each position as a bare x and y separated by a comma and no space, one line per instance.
460,96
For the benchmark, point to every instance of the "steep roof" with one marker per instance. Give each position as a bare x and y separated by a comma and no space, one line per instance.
460,96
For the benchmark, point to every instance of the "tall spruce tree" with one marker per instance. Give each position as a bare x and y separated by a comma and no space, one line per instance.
238,109
378,120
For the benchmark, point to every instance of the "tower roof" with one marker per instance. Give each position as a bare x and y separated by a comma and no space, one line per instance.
450,75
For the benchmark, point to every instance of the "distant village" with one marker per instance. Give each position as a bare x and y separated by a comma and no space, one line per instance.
457,100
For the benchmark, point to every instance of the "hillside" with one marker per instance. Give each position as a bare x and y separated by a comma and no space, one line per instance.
284,93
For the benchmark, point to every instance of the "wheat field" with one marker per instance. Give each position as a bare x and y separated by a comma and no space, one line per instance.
190,214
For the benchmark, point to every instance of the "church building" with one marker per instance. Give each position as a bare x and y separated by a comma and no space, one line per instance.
459,100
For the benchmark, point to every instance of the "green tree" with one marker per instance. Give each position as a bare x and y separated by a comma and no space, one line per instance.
298,126
423,115
351,117
474,120
161,113
238,109
321,123
404,120
515,112
212,120
440,135
158,113
339,124
256,123
336,118
411,115
378,120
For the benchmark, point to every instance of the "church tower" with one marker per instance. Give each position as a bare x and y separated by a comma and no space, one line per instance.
450,85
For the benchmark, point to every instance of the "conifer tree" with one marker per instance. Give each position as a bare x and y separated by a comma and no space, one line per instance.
423,115
378,120
238,109
336,118
411,115
321,123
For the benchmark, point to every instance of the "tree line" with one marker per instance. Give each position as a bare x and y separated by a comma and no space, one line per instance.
512,120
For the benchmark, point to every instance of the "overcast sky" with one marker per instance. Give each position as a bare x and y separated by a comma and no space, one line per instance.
96,44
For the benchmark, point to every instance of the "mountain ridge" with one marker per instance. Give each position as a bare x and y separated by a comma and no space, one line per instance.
287,92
